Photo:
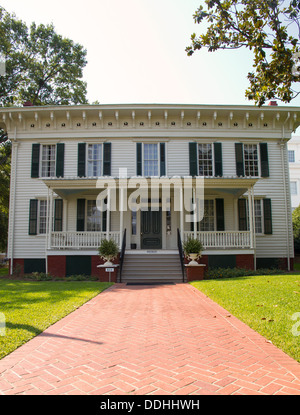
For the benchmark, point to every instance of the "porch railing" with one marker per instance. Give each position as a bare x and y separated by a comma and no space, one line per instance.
77,240
222,239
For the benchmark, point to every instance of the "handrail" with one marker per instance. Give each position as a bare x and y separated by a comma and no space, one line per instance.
180,251
122,253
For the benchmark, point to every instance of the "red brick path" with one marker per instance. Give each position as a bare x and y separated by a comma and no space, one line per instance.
143,340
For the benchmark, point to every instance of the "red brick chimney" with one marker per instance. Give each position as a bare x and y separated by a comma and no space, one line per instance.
273,103
28,104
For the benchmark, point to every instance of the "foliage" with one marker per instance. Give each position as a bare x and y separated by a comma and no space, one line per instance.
41,66
30,306
269,28
216,273
5,155
108,249
296,228
265,303
192,246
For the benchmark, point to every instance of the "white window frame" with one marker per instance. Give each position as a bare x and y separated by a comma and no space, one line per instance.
42,161
158,159
258,159
212,159
255,217
88,160
291,155
295,190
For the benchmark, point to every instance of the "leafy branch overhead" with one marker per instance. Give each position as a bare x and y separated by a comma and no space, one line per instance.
41,66
269,28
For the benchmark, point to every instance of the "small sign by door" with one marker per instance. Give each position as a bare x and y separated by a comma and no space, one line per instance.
109,269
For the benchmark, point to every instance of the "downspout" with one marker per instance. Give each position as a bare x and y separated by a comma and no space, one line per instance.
12,200
284,191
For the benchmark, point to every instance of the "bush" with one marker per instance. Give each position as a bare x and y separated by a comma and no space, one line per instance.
108,249
192,246
215,273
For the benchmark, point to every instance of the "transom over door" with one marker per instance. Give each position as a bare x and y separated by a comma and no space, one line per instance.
151,232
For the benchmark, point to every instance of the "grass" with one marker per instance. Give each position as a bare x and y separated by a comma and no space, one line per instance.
30,307
265,303
3,271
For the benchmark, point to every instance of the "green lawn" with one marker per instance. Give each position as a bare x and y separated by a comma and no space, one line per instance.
265,303
3,271
31,307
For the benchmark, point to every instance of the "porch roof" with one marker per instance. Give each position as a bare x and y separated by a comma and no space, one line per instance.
65,186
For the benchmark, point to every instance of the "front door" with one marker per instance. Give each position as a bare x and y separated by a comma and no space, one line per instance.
151,232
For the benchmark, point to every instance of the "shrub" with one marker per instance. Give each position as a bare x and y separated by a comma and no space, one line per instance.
108,249
215,273
192,246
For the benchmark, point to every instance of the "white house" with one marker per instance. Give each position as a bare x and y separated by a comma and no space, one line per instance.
294,166
63,157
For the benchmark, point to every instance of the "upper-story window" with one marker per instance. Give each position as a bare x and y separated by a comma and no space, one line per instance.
48,160
94,160
205,159
251,160
150,159
291,156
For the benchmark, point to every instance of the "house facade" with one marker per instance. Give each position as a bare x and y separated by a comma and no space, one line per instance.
149,176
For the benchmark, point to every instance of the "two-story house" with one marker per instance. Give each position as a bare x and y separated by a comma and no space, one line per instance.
294,166
64,157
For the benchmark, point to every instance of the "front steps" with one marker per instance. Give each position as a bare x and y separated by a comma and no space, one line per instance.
151,267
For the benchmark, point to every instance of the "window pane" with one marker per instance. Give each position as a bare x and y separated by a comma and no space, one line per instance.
94,161
205,159
293,188
150,160
48,160
43,216
251,159
258,216
291,154
93,216
208,221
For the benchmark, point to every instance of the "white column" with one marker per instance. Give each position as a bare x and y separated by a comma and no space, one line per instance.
121,209
108,213
195,213
181,214
50,218
250,207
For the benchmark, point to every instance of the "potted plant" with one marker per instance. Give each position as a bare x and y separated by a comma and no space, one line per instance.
192,248
108,250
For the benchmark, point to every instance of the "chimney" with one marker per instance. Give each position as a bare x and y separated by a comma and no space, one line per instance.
273,103
28,104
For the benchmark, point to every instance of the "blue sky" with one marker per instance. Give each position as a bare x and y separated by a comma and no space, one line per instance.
136,51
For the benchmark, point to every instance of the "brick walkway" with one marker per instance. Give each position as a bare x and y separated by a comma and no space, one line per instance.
142,340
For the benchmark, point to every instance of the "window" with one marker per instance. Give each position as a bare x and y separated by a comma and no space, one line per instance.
151,160
293,186
48,161
94,160
251,160
260,220
133,222
93,216
258,216
205,159
42,216
208,221
291,156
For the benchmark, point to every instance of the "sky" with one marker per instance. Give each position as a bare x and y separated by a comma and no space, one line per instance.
136,51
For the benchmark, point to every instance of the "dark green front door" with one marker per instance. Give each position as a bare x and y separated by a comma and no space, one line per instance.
151,234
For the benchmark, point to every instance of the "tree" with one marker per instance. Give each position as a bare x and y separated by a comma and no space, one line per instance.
41,66
269,28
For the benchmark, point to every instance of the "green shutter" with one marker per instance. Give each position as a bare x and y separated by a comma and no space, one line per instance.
193,159
242,210
220,214
35,160
80,215
107,159
218,159
267,216
239,159
81,160
264,160
139,158
162,159
58,215
60,158
33,215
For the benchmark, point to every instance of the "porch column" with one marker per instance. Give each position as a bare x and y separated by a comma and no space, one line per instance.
121,209
195,213
108,213
181,214
50,218
250,207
